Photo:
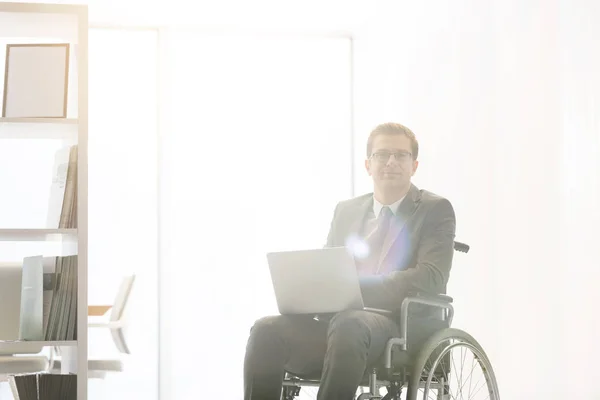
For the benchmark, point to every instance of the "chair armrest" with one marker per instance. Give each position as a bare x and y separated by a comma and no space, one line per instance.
433,300
98,311
109,325
387,313
430,296
387,361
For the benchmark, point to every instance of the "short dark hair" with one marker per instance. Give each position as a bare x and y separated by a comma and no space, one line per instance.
393,128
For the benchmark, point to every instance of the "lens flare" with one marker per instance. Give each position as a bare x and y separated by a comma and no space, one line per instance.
357,247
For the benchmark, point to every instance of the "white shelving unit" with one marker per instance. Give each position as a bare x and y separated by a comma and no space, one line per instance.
26,235
53,23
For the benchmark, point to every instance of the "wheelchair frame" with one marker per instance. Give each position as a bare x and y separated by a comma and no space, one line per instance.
292,384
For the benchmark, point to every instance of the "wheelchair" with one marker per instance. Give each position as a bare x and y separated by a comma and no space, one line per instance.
427,359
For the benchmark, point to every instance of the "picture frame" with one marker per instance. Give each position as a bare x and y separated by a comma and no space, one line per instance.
36,80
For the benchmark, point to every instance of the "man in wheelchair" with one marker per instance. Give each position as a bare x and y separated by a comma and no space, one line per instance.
403,242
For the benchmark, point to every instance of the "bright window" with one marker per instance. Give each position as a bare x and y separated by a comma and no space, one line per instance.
123,202
255,153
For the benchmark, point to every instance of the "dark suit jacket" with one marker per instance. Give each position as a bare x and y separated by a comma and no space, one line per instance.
417,255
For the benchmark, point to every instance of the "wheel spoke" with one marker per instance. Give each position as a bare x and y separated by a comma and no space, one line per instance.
444,361
462,365
456,373
471,376
485,384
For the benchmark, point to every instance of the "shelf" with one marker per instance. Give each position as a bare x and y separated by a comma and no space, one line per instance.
16,344
36,235
39,120
39,128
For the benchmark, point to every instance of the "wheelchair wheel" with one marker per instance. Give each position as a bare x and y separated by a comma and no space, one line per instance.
452,365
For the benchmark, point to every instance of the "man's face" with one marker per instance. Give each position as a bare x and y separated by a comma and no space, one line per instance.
391,164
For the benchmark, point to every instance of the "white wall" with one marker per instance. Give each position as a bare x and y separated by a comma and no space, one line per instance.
501,96
579,92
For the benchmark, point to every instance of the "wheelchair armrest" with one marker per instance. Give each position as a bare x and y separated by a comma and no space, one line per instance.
387,313
433,300
430,296
387,360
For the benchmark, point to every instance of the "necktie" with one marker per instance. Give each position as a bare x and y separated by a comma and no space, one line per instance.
383,226
376,240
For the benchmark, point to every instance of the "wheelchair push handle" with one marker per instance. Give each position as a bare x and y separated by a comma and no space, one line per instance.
462,247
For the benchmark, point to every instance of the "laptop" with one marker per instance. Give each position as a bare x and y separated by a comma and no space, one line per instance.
315,281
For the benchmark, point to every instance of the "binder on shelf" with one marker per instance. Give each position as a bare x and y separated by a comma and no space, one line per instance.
43,386
49,299
32,304
62,205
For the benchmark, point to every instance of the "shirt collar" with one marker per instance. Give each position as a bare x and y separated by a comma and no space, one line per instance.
377,206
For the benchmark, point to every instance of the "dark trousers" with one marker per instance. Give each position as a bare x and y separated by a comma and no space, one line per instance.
338,351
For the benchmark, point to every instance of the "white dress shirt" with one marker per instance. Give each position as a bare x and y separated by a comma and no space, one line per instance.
377,206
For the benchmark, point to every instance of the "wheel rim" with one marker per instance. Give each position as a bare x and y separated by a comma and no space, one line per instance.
461,384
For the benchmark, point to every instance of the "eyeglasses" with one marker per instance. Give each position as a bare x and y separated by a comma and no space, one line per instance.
384,156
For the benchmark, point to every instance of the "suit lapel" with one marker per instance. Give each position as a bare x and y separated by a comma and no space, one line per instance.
361,213
406,209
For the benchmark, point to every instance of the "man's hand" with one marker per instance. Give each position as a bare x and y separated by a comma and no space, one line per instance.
370,287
